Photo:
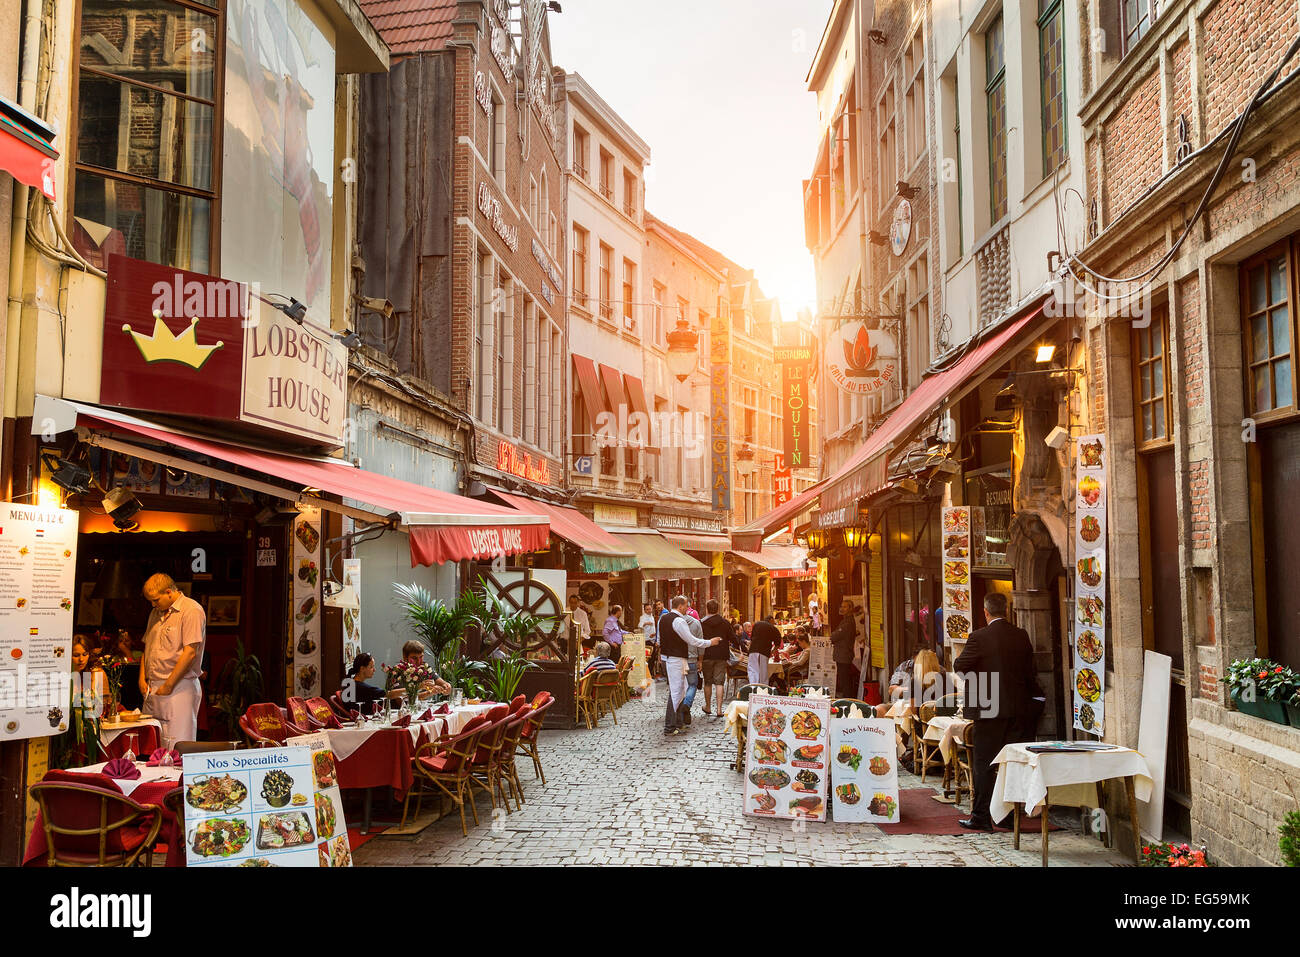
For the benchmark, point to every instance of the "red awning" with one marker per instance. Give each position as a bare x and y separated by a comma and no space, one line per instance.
613,380
750,537
588,387
26,157
443,527
864,472
607,551
636,393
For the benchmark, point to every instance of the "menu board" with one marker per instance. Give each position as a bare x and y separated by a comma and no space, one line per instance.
1090,583
821,665
304,605
634,649
38,561
956,563
267,807
864,770
785,757
352,616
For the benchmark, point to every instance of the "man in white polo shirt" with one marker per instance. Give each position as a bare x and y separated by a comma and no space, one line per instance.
173,656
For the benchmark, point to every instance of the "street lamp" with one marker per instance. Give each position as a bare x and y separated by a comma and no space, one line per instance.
682,346
855,537
745,461
816,539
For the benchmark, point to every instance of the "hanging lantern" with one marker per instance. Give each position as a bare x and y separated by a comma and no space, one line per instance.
816,538
682,350
745,460
855,537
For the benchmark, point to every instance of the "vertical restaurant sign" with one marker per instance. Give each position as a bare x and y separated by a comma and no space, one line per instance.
864,770
785,757
720,410
186,343
634,649
782,481
956,573
795,362
876,608
352,616
268,807
305,605
1090,584
38,561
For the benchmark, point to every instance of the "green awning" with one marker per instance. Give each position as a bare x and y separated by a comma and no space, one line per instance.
607,563
658,557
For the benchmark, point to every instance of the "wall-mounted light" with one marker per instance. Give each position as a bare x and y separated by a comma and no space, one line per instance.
745,460
69,476
1044,354
877,239
816,539
855,537
682,350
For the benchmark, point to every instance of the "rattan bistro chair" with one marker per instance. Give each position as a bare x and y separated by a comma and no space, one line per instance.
532,728
964,763
584,703
604,693
925,754
445,764
87,825
624,692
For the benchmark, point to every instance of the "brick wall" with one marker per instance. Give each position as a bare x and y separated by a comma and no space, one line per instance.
1180,59
1209,682
1132,140
1187,324
1199,494
1240,44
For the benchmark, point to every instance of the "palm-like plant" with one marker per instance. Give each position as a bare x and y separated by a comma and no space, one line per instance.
438,626
504,674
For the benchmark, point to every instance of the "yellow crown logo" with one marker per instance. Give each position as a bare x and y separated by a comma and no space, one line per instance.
163,346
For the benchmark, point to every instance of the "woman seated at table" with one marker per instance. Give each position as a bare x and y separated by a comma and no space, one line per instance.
362,695
925,679
796,669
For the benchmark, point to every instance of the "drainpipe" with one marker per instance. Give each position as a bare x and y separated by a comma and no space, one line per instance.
18,227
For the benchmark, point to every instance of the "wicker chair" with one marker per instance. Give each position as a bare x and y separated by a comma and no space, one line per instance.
485,765
584,704
744,693
604,693
528,736
925,754
445,764
507,772
964,761
87,825
624,670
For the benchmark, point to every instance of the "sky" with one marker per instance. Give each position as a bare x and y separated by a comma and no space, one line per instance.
716,87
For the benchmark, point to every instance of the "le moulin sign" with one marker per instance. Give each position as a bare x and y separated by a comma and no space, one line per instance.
188,344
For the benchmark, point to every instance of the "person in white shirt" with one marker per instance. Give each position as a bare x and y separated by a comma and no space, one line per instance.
580,620
173,651
675,643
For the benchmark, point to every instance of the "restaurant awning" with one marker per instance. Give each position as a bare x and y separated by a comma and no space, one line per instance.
660,559
781,561
25,152
443,527
588,387
613,380
750,537
636,394
864,472
698,543
601,551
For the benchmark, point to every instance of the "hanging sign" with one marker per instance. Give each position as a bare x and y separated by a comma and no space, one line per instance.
795,362
859,360
785,757
864,770
956,561
1090,583
719,411
782,481
38,561
352,616
900,229
305,605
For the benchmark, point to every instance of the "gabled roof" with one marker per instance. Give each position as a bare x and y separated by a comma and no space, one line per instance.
708,254
412,26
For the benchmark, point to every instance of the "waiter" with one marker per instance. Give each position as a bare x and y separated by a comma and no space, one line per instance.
173,653
842,640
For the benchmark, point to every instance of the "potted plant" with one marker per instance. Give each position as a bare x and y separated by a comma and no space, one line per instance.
466,674
1260,687
1163,854
504,673
1292,707
438,626
239,686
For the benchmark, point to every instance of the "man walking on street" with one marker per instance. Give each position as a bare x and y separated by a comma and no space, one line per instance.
675,644
693,665
997,666
714,659
842,639
762,640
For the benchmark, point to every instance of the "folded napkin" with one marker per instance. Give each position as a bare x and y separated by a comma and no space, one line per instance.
427,716
443,708
122,769
155,759
403,722
855,711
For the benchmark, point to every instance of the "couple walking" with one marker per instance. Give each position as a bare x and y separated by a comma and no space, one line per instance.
679,634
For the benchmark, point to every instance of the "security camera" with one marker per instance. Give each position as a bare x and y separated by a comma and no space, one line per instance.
122,507
381,306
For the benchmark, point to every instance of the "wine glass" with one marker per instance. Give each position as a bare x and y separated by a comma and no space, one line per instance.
166,760
132,739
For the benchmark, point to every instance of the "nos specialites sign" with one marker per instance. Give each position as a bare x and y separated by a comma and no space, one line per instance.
719,411
794,399
185,343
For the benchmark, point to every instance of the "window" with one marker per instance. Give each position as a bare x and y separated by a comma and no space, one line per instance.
580,253
148,133
1151,368
887,150
496,145
630,198
505,345
543,208
606,282
530,369
704,337
996,92
553,237
1051,53
1135,19
1268,317
580,151
629,295
607,175
914,100
532,202
657,331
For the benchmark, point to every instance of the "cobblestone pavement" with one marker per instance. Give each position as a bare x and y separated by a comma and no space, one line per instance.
627,794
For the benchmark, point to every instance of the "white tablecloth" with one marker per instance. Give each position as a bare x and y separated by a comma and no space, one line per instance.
147,775
945,730
1025,776
736,711
346,741
108,732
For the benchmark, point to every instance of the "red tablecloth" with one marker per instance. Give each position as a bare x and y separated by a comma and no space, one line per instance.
146,744
151,793
383,760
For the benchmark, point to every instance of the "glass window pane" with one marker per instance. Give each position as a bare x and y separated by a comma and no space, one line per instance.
1258,285
1157,333
1259,338
994,57
1158,430
163,44
1144,376
145,223
1277,280
1281,323
1282,382
1263,392
1158,376
140,131
1146,423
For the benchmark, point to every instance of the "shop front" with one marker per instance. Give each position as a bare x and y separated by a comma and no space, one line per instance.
703,538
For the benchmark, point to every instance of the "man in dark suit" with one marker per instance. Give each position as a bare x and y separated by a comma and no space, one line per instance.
842,640
997,666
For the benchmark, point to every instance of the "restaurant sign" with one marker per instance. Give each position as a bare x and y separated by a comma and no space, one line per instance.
184,343
859,360
795,364
719,414
686,523
782,482
510,459
490,207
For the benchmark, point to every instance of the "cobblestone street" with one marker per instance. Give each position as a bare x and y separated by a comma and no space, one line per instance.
626,794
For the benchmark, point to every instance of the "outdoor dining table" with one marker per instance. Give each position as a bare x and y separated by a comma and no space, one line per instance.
737,717
113,736
151,787
1029,780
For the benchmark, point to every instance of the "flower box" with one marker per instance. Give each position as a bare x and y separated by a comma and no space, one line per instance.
1293,714
1264,708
